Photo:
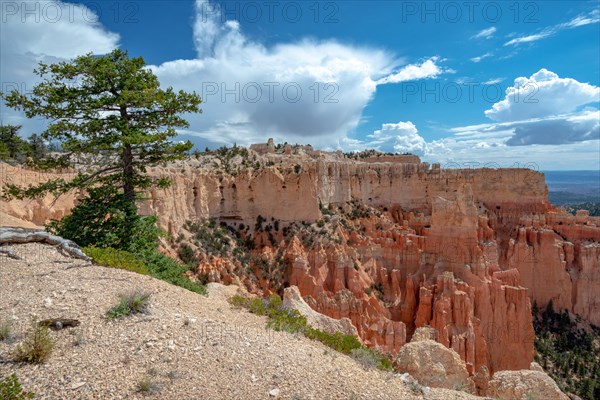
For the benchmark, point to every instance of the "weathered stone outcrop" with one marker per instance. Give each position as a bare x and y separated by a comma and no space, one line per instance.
565,250
434,365
280,192
524,385
487,323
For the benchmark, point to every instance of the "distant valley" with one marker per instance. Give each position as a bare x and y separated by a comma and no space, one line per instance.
573,187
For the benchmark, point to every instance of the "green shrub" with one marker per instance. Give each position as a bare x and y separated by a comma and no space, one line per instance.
238,301
274,303
5,330
187,254
288,321
337,341
370,358
214,240
37,345
135,302
146,385
10,389
105,219
257,306
167,269
114,258
384,362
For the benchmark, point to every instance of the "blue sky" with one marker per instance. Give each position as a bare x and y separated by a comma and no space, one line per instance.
494,83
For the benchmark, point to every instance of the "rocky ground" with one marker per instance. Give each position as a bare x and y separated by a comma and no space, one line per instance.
187,346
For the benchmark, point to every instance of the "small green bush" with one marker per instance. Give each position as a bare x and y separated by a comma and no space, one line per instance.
130,303
257,306
187,255
146,385
37,345
10,389
114,258
274,304
5,330
238,301
337,341
288,321
167,269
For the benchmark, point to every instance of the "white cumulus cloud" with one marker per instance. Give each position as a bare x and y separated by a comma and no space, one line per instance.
561,130
543,109
543,94
306,90
400,137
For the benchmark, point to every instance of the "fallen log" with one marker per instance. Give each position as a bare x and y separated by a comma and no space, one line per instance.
13,235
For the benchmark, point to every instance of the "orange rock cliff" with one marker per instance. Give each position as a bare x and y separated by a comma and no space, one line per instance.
464,251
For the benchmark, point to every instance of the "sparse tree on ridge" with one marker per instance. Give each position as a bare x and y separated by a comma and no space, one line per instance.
12,146
38,146
111,107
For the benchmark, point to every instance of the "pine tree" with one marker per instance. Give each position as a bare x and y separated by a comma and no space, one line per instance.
110,112
12,146
38,146
112,106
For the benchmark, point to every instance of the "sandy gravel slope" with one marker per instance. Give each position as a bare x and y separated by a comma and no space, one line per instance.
189,346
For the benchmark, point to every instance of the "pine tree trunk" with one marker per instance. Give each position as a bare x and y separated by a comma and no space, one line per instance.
127,158
128,186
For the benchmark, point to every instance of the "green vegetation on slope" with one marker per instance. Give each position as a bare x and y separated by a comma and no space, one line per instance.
284,319
10,389
592,207
569,354
151,263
